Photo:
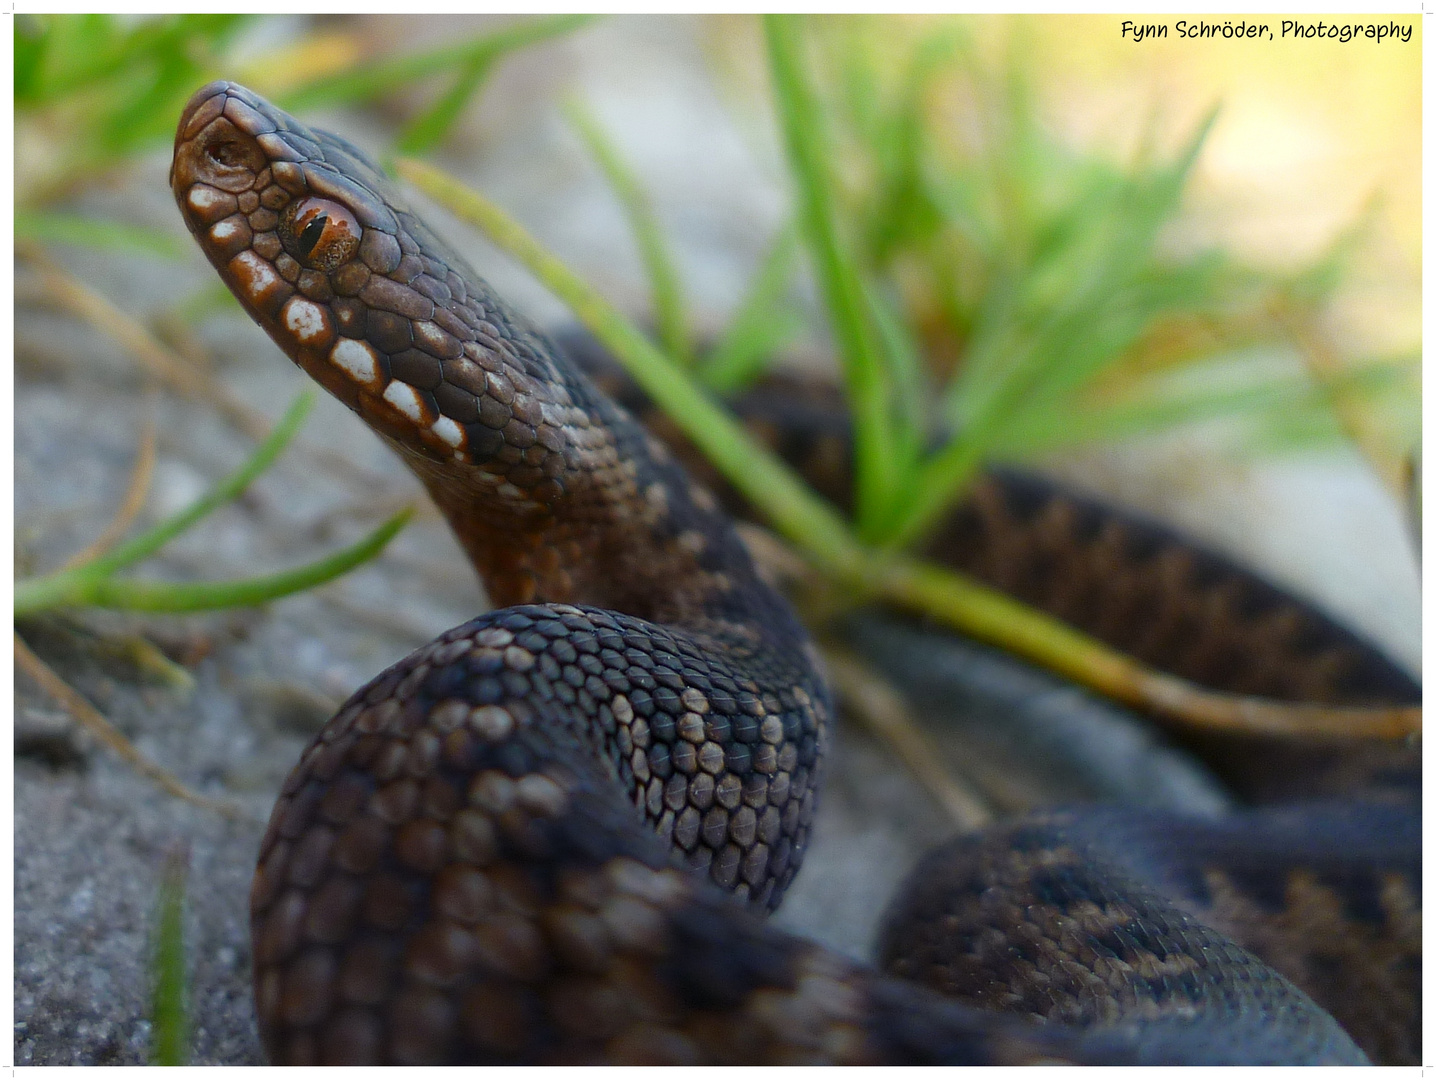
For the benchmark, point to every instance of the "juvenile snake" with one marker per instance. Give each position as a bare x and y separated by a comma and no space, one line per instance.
551,834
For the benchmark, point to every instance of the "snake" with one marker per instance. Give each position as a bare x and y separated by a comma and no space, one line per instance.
553,834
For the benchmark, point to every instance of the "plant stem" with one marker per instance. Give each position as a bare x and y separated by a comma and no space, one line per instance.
169,1013
998,619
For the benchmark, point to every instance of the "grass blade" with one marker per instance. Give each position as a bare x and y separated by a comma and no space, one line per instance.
762,325
63,586
800,117
1028,376
130,595
668,305
909,378
374,79
169,1002
229,488
61,228
431,127
1235,390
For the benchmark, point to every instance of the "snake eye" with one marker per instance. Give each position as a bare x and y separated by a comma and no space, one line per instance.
321,233
309,238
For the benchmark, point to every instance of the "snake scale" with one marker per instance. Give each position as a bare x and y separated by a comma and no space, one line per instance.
551,834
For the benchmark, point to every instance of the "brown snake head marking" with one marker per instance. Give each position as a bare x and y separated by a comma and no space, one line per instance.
510,846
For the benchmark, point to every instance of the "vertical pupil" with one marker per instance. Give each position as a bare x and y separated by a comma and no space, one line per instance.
309,238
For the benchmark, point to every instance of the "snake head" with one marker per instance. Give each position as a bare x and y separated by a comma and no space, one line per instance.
326,256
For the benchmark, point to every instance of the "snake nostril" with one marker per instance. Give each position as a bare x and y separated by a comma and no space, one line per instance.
229,153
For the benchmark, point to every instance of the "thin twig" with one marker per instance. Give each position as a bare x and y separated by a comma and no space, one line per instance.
139,486
91,719
872,699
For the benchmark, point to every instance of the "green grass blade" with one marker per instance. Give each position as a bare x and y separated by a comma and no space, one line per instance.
106,87
909,378
430,128
1315,283
801,120
668,305
229,488
375,78
898,138
762,325
65,586
30,44
1028,375
169,973
1235,389
74,51
131,595
62,228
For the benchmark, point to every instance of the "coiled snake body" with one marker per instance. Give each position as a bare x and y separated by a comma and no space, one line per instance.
515,844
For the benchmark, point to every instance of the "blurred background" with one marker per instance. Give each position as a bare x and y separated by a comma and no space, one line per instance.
1183,274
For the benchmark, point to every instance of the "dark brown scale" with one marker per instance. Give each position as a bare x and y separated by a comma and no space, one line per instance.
510,846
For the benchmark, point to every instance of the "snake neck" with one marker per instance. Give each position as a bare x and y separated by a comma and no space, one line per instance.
602,535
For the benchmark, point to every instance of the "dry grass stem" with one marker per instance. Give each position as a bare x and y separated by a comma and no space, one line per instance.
140,476
93,721
871,699
67,292
1325,366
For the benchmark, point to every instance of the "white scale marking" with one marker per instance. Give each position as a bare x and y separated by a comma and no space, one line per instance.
259,276
406,399
357,359
449,431
306,320
204,198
